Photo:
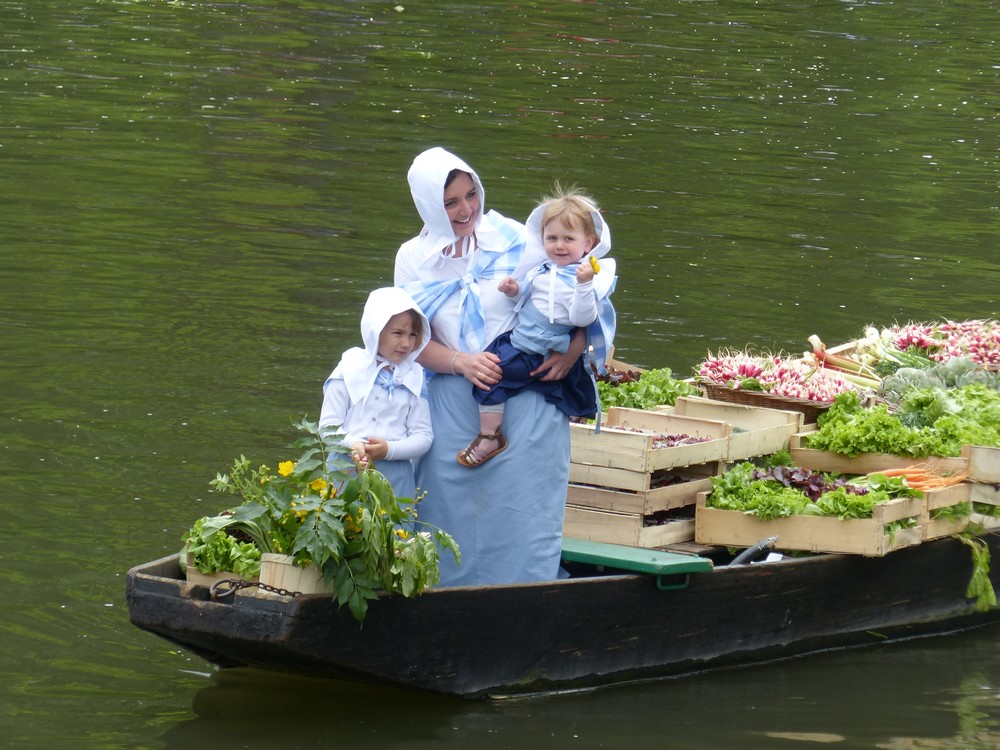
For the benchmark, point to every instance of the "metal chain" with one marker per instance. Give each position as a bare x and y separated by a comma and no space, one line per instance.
226,587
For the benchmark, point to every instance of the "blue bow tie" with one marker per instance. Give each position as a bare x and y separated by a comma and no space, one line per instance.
384,379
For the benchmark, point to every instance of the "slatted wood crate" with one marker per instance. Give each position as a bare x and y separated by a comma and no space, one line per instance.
754,431
621,483
944,497
631,529
614,364
986,495
656,491
193,575
871,537
810,410
627,440
869,462
984,464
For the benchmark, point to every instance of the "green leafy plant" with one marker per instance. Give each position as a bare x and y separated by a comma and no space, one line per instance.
925,423
782,491
652,388
215,545
980,587
323,510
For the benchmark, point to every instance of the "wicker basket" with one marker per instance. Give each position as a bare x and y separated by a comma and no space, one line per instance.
810,409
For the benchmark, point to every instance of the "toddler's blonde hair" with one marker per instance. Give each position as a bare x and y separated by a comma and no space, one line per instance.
573,207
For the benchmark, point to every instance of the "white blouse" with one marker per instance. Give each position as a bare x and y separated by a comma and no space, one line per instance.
404,420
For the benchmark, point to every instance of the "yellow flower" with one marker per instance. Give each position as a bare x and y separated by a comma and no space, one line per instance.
402,533
318,485
286,467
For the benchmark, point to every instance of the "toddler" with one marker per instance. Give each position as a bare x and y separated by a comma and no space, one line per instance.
570,290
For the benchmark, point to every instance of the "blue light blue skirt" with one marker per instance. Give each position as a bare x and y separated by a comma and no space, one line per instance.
506,515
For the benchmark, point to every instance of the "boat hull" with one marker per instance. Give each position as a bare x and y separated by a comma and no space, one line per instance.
580,632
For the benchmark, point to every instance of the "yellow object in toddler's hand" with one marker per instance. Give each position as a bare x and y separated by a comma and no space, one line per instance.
594,264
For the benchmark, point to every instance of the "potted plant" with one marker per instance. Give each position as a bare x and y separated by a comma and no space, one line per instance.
322,511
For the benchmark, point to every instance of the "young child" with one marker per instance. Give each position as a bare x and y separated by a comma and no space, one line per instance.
570,290
374,394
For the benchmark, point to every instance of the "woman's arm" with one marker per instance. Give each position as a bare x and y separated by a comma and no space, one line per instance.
479,368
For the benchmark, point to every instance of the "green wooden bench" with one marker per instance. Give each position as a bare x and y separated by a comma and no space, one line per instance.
637,560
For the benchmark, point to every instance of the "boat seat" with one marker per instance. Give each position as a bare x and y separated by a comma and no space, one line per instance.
636,559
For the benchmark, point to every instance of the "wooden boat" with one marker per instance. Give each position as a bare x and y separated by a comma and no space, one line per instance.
605,624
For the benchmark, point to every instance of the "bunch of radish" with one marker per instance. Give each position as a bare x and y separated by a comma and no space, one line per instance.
977,339
775,375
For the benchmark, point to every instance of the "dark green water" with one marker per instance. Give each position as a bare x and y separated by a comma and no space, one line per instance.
197,199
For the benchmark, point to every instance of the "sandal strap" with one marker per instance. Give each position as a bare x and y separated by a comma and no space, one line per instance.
468,457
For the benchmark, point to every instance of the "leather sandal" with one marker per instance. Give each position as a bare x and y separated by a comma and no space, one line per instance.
467,456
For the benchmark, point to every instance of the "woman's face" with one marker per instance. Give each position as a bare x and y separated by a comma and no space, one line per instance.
461,201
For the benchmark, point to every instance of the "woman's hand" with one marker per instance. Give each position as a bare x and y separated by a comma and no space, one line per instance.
482,369
557,365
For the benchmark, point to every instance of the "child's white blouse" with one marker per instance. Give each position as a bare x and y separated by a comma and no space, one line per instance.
404,420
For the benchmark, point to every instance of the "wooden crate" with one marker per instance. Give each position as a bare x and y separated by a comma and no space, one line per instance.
617,446
810,410
630,529
984,464
988,494
941,498
617,364
866,463
985,494
755,431
860,536
195,576
601,487
611,362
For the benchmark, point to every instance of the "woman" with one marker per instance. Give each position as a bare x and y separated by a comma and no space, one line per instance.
507,515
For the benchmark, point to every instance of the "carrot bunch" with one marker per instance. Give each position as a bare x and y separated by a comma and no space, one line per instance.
920,477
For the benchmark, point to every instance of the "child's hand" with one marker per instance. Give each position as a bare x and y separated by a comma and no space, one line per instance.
376,448
584,272
509,286
359,454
